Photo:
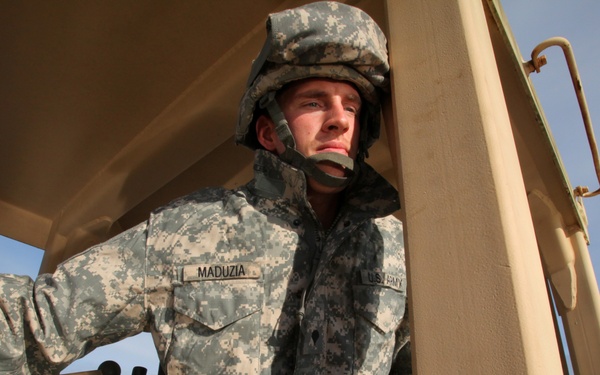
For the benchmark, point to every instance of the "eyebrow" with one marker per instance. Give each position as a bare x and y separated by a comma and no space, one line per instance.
317,93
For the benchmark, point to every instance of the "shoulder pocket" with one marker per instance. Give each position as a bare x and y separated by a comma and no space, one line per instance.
218,303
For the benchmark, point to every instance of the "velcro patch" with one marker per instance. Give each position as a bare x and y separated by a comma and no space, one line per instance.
382,279
221,271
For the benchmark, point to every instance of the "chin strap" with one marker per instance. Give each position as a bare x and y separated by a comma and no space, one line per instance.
308,165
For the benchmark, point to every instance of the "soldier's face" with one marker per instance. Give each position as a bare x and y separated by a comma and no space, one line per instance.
323,116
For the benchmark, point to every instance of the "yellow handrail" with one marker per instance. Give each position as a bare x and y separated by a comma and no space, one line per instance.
536,63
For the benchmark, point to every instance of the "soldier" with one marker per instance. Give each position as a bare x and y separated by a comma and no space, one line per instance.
299,271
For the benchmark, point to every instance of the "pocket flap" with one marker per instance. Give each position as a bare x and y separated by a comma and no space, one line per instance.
218,303
384,307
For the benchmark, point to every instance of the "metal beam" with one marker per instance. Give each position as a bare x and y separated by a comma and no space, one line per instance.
477,293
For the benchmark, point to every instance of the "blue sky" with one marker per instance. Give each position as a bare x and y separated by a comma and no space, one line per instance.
532,21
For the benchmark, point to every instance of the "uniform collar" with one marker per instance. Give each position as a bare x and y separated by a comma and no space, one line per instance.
370,194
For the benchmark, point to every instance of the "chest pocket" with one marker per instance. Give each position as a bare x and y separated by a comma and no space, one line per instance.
218,303
382,306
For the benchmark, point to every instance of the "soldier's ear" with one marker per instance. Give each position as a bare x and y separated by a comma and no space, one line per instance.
265,133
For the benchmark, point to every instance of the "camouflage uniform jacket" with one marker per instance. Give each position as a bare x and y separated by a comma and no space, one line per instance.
241,281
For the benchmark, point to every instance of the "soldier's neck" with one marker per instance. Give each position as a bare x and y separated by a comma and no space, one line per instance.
325,206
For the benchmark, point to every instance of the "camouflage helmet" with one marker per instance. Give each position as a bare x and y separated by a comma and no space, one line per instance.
323,39
326,40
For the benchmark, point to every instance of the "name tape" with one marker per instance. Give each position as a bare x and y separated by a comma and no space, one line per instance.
222,271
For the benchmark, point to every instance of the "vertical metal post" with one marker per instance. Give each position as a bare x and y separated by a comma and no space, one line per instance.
582,324
477,294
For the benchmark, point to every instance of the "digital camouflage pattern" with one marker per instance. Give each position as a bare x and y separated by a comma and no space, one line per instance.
235,282
322,39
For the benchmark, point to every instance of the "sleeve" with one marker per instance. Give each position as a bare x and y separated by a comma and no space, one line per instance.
93,299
